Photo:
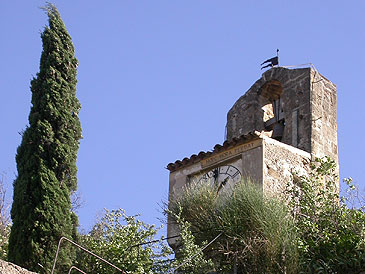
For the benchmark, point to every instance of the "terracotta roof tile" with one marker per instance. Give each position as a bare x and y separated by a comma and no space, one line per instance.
217,148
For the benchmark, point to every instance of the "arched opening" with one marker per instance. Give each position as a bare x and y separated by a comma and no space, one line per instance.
272,107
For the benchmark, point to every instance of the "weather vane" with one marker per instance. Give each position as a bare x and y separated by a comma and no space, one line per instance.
272,61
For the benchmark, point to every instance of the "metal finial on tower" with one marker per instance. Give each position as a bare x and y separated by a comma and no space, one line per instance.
272,61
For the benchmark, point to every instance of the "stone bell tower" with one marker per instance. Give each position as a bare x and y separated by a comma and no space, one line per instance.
297,107
286,119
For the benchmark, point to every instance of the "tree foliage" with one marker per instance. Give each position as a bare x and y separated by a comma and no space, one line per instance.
190,257
332,235
126,242
46,158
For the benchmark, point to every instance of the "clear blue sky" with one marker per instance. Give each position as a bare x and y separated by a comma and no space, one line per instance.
157,78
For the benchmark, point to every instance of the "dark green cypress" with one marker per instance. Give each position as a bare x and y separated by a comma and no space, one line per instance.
46,158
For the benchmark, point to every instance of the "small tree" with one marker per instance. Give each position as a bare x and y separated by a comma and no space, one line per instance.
190,257
332,236
126,242
46,158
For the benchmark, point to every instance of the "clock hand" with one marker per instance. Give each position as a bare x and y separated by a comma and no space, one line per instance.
215,176
222,184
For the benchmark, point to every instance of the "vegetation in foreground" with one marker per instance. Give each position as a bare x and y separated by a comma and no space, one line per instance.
258,234
331,235
126,242
316,232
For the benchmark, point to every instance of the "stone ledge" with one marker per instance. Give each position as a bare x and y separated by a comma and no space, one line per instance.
9,268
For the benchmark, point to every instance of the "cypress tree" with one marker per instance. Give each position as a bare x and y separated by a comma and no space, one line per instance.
46,158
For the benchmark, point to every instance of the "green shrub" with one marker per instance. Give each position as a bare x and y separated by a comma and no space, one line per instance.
126,242
258,234
332,236
190,257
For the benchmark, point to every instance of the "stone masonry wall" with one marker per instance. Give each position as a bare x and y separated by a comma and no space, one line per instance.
9,268
280,161
296,108
293,85
324,117
308,103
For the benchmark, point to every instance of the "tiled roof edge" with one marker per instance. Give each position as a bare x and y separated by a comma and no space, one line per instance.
217,148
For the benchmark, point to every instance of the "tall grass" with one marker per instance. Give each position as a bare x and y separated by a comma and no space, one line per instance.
259,235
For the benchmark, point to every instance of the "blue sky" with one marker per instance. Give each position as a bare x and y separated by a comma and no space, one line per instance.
157,78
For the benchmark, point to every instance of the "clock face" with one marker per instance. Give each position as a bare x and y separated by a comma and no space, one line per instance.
222,177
